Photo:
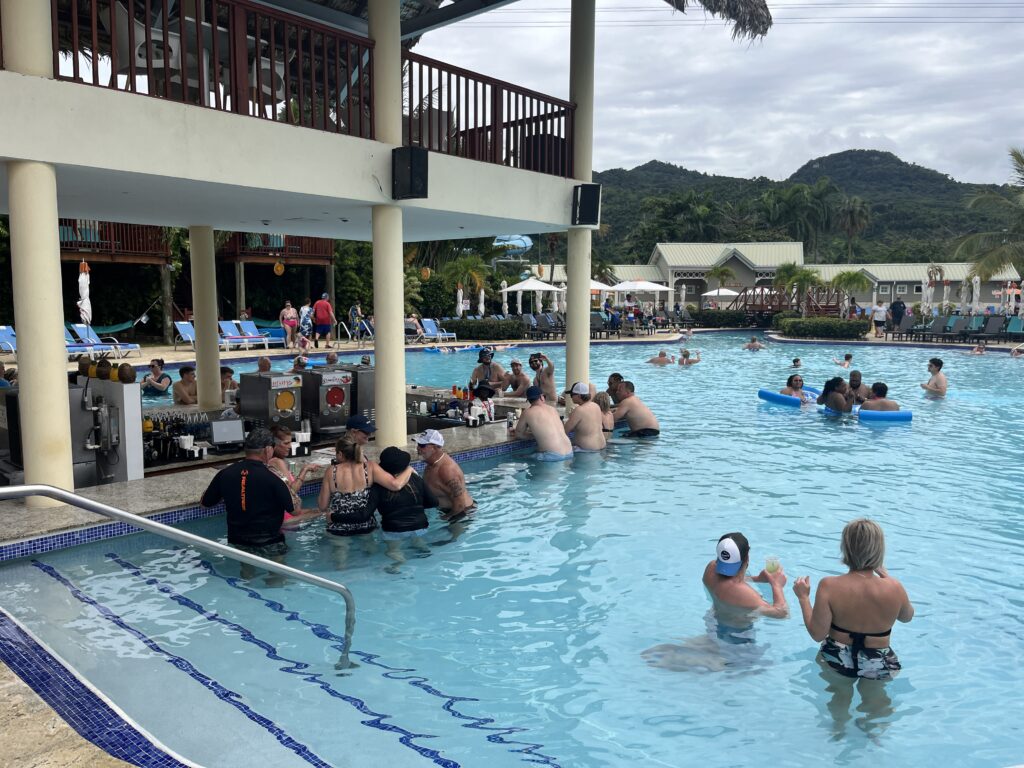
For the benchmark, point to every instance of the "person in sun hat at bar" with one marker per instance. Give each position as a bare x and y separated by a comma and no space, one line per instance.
444,477
255,499
726,579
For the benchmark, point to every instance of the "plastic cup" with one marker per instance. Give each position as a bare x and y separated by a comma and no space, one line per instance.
771,564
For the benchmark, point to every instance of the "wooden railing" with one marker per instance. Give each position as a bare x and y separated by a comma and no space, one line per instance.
458,112
229,55
107,240
819,300
268,247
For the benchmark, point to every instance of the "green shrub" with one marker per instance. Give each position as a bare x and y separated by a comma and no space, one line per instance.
824,328
786,314
484,330
721,318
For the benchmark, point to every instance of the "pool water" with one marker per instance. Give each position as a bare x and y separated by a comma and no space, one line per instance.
522,640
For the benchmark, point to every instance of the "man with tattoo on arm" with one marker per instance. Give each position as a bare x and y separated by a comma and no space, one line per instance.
444,477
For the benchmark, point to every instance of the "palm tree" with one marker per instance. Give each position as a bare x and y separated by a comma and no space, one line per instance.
793,278
602,270
852,218
992,252
469,270
750,18
720,274
851,282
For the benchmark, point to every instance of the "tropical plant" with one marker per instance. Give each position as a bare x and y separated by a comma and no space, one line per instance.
852,217
750,18
469,271
797,281
602,270
805,212
851,281
719,273
992,252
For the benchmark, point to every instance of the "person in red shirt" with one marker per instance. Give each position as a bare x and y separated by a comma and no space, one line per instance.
323,320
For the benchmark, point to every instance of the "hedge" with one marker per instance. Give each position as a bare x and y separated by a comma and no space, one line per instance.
786,314
824,328
484,330
721,318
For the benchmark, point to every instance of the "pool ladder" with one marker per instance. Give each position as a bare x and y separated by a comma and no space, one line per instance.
166,531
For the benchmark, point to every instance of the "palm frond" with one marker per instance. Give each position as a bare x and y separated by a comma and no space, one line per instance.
750,18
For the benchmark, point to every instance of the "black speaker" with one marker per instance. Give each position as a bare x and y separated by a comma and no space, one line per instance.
408,173
586,205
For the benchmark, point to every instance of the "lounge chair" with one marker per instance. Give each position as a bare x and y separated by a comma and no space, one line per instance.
1014,329
598,326
75,348
937,326
231,334
412,333
8,341
249,328
186,333
956,331
901,330
88,336
431,331
546,327
993,330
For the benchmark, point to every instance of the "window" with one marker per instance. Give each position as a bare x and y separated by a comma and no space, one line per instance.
901,289
691,289
883,290
917,290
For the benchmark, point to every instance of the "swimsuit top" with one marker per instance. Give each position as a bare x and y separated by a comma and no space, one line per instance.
288,478
350,513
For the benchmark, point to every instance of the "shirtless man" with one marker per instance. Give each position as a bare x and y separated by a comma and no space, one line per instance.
487,371
662,359
613,386
726,579
263,365
543,423
444,477
858,388
685,359
638,416
879,399
585,420
753,345
516,380
544,375
846,362
185,392
936,386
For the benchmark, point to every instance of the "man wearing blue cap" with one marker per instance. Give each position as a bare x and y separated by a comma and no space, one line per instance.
727,581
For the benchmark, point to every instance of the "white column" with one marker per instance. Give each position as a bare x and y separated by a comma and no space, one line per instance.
385,30
239,288
35,273
204,309
581,93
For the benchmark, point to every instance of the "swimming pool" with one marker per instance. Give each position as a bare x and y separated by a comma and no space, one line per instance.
521,641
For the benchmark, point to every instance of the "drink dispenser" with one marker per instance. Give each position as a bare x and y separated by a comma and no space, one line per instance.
326,398
272,398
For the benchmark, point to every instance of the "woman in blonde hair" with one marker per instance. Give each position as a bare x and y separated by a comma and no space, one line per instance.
345,494
604,402
853,614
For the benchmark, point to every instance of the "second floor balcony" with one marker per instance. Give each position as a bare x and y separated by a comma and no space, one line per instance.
261,62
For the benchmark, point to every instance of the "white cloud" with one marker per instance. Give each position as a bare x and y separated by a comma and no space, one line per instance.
940,95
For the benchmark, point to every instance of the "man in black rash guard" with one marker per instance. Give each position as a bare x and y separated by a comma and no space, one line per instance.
255,499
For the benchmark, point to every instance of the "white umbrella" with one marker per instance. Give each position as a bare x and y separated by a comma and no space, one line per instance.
504,298
596,285
519,301
554,302
84,304
925,309
976,295
965,296
564,301
721,293
945,294
640,286
531,284
458,302
1009,296
481,309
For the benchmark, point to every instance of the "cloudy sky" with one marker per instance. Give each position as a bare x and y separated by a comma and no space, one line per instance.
934,81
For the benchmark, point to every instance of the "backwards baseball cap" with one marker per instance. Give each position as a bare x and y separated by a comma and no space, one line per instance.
516,361
323,295
729,560
579,388
533,393
430,437
361,423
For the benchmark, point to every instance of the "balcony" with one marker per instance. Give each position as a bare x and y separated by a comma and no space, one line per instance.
108,241
269,248
248,59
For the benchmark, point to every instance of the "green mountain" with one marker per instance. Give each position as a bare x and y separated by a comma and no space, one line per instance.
917,214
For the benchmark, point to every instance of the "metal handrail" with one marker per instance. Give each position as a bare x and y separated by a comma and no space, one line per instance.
23,491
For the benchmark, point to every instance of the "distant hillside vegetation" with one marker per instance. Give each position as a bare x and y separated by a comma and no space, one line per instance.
916,214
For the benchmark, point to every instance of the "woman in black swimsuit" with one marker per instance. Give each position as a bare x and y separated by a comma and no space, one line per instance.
853,614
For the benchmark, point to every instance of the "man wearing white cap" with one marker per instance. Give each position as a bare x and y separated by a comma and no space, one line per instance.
542,422
516,380
444,477
727,581
585,422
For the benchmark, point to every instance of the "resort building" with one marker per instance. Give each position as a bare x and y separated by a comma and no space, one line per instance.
284,119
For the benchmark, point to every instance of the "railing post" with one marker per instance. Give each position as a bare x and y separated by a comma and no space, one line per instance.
497,124
239,62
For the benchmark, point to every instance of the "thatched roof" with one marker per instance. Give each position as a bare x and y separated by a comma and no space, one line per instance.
750,18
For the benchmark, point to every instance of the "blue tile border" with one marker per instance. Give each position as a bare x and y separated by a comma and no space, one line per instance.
77,704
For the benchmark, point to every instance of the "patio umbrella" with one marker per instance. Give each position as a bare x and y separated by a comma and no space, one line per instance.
640,286
84,304
458,302
965,296
945,294
976,295
504,298
721,293
554,302
925,309
481,309
519,301
563,302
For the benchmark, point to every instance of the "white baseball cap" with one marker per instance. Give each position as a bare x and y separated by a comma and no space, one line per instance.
729,559
579,388
430,437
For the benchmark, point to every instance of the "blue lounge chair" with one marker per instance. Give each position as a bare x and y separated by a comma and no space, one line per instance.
75,347
88,336
186,333
8,341
431,332
230,334
249,329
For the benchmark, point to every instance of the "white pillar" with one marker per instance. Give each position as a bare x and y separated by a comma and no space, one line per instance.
385,30
35,273
204,309
581,93
239,288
